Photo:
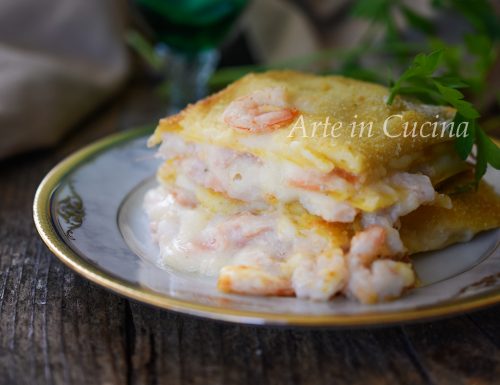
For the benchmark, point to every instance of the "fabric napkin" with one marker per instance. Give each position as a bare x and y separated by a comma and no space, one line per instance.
59,60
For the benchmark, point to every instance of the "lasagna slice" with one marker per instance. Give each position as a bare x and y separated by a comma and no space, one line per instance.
286,183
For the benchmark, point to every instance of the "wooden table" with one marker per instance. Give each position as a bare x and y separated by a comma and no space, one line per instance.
57,328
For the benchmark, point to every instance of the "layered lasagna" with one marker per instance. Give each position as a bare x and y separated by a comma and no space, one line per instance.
290,184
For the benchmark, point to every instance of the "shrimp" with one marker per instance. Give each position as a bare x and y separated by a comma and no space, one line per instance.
336,179
371,278
235,232
184,198
244,279
320,278
260,111
367,245
327,208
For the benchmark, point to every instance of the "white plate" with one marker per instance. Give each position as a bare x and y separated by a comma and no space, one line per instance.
88,211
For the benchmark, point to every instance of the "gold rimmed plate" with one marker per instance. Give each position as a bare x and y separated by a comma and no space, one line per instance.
88,210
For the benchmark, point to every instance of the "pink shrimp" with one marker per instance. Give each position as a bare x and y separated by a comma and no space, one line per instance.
184,198
244,279
368,245
321,277
372,276
260,111
236,232
323,182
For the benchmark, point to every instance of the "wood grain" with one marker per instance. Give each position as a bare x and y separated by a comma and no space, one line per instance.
57,328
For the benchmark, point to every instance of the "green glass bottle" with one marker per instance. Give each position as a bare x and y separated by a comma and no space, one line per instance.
187,34
191,25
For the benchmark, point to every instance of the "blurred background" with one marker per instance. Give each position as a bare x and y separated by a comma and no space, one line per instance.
63,61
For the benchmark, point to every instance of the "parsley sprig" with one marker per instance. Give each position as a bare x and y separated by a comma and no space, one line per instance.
424,80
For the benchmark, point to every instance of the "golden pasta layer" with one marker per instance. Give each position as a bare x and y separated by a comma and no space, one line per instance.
341,100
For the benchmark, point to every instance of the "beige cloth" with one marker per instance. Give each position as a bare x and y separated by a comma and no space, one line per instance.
277,31
58,60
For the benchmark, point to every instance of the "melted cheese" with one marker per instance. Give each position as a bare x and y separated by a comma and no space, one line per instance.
242,176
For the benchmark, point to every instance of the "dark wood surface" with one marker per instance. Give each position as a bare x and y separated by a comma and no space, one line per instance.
57,328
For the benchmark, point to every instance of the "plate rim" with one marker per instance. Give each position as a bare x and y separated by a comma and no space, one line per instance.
50,236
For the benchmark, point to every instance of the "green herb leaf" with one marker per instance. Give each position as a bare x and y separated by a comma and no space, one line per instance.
491,149
482,155
464,144
421,80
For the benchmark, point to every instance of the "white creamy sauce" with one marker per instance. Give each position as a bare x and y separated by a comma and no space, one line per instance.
245,177
194,240
257,249
419,191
